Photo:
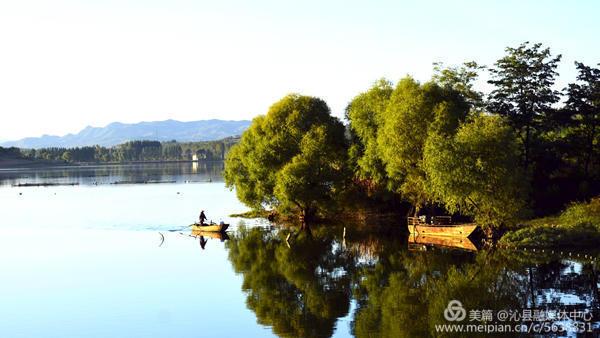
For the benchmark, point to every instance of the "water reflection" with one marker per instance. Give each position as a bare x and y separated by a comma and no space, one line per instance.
299,292
221,236
204,236
422,242
302,290
119,174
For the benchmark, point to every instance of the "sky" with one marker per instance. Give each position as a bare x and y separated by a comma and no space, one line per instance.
65,65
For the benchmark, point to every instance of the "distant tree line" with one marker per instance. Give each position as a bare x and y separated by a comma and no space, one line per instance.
524,148
10,153
129,151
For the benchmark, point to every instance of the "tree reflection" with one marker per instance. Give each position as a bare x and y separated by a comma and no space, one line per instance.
395,295
299,291
404,294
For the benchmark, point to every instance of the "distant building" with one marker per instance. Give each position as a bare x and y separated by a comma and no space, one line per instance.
199,155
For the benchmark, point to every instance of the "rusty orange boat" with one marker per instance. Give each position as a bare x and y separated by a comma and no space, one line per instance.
440,226
210,227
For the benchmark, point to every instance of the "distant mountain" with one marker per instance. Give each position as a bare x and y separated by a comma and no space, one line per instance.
117,133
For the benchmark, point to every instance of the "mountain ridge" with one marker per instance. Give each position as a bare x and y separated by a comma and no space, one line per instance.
116,133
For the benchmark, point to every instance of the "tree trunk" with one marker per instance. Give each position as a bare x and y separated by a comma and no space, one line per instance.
305,219
527,141
590,152
417,209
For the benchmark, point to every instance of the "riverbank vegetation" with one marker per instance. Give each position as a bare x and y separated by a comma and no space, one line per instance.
525,149
577,226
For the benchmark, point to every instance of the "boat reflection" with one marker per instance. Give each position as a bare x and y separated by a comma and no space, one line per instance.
222,236
419,242
203,236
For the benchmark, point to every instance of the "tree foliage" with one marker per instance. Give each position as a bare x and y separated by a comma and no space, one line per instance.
291,158
365,112
415,110
309,180
461,79
583,116
523,92
474,172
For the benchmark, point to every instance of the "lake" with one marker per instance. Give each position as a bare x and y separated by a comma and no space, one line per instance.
105,251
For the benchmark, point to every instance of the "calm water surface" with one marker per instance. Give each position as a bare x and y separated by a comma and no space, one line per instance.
101,259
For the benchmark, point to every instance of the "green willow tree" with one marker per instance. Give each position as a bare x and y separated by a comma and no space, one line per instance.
474,171
308,181
461,79
291,159
583,115
365,112
523,92
413,112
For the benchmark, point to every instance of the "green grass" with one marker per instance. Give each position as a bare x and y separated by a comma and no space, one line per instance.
583,213
577,226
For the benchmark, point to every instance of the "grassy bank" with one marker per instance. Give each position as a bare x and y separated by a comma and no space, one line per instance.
577,226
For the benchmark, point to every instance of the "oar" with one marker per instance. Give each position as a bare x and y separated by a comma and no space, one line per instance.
162,239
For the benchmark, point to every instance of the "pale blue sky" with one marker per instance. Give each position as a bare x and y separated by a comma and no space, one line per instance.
68,64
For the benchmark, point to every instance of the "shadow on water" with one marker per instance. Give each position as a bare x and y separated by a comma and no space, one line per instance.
390,290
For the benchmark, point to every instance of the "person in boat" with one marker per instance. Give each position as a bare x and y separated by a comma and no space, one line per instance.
202,217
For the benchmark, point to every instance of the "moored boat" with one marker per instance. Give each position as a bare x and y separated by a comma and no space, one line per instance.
210,227
441,227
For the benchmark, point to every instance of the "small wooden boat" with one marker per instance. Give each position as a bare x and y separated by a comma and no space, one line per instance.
442,241
459,230
210,227
441,227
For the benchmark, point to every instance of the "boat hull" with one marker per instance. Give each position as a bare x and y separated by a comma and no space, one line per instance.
210,227
463,230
